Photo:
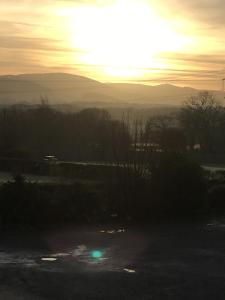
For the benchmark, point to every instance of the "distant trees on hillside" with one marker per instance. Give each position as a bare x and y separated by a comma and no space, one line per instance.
34,133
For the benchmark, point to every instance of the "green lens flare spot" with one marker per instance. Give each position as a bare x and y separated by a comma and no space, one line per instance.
96,254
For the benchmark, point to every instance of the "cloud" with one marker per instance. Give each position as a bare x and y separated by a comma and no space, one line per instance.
209,12
213,59
32,38
44,44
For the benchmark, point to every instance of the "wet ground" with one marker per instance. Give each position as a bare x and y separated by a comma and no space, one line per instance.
39,179
180,261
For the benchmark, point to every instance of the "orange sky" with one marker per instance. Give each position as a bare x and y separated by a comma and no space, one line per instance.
148,41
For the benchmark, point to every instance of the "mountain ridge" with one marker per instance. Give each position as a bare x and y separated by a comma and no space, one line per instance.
64,88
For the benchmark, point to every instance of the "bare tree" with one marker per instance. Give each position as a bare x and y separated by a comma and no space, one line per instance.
165,133
200,118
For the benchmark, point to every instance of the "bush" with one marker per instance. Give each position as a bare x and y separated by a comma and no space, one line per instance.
216,197
26,203
17,200
177,185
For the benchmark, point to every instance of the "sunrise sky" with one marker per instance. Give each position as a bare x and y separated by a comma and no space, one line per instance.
146,41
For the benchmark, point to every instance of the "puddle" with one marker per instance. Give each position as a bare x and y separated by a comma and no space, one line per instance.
89,258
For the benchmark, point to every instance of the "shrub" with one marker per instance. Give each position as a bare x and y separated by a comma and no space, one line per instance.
26,203
177,185
216,197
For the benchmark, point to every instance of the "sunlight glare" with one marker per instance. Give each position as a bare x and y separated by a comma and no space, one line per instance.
122,37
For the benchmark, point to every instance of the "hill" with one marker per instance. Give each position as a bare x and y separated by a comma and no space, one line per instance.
62,88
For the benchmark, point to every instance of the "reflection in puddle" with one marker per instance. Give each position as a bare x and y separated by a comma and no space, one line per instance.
114,216
50,259
80,250
129,270
216,224
113,231
6,258
87,259
64,254
89,256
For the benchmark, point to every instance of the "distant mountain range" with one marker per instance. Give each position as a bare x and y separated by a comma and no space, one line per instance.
62,88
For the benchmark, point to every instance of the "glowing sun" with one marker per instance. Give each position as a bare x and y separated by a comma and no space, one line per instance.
123,37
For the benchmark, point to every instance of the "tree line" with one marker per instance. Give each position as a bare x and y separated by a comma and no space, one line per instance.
92,134
37,132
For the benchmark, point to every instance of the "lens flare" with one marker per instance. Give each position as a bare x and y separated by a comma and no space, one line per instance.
96,254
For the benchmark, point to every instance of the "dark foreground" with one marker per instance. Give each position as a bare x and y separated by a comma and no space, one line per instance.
161,262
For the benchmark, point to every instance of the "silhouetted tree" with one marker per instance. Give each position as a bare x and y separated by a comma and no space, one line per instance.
164,132
201,119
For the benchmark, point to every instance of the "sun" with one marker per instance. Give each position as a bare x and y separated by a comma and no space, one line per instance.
123,38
